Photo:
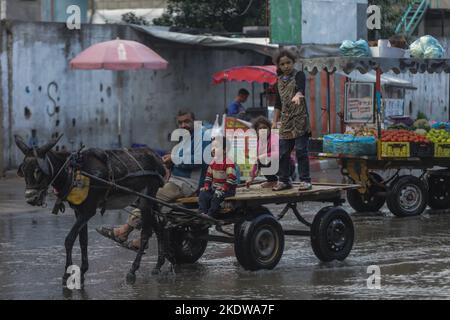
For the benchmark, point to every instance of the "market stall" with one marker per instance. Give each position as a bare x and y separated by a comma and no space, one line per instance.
375,145
252,74
266,75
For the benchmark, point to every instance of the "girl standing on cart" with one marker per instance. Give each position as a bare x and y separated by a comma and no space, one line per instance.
291,110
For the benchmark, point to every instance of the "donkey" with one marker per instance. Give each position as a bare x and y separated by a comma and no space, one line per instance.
43,168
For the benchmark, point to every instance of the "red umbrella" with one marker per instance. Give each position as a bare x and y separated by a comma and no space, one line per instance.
260,74
118,55
252,74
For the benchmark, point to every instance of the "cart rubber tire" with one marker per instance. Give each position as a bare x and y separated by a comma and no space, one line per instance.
259,243
439,192
374,204
407,197
332,234
239,228
188,250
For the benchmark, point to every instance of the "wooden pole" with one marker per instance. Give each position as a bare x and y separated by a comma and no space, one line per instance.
378,100
328,102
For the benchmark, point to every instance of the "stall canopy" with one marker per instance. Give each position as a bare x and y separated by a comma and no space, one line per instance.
380,65
364,65
260,45
386,79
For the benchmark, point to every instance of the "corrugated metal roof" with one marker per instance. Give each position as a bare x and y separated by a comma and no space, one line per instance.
386,79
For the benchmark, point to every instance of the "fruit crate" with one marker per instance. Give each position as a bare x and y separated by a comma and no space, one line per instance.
395,150
442,150
422,149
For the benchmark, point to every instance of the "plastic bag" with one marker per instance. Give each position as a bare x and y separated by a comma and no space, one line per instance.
358,48
426,47
416,49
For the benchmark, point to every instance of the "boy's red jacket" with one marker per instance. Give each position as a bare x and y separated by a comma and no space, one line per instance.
221,176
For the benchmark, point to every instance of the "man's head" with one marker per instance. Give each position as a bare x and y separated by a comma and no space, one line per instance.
185,120
243,95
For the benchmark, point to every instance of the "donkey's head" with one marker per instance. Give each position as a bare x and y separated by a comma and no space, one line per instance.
37,170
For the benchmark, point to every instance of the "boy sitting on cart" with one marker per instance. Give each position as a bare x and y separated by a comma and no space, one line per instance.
220,180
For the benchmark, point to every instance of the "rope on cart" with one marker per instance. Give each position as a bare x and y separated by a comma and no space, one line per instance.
153,199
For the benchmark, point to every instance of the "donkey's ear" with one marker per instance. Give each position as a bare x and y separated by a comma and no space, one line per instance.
49,146
21,144
20,171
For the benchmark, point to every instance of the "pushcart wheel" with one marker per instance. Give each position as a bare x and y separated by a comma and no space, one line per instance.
439,192
332,234
188,244
369,202
408,197
259,243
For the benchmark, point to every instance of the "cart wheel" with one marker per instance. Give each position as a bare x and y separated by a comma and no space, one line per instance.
332,234
259,243
188,244
239,228
369,202
408,197
439,192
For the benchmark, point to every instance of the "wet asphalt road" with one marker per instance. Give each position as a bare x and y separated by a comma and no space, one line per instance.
413,255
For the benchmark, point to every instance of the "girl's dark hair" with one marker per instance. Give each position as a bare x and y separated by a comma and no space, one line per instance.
285,53
261,120
281,54
185,112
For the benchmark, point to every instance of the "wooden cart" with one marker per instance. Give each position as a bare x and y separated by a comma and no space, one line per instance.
405,195
258,236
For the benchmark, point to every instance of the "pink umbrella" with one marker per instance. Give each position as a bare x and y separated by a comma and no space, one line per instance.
118,55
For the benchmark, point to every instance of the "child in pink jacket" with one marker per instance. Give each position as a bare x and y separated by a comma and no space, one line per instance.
262,123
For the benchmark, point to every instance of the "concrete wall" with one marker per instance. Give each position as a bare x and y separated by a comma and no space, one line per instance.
41,10
56,11
331,22
40,92
23,10
436,23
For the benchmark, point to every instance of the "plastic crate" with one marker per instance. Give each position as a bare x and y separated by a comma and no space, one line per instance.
395,149
442,150
422,150
350,145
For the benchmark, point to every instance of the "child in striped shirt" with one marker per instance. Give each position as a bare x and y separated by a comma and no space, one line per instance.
220,180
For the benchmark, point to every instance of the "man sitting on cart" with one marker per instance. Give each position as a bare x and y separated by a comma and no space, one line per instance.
185,180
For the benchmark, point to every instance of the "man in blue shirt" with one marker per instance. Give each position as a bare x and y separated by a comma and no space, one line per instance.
185,179
236,109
